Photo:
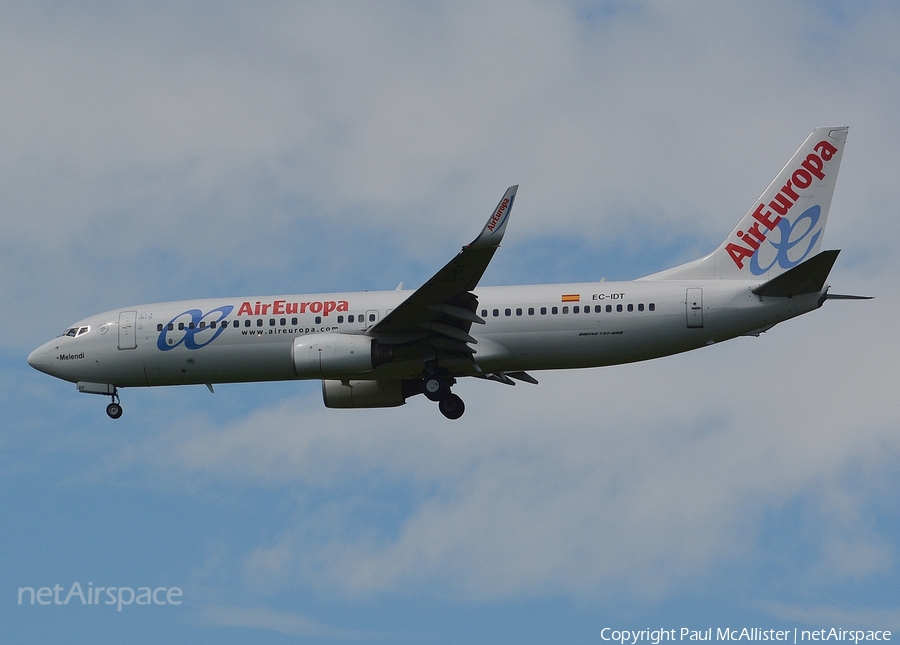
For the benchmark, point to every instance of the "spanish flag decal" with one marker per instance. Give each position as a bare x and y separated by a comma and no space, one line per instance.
571,297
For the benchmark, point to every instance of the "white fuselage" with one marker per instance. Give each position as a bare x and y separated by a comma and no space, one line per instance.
534,327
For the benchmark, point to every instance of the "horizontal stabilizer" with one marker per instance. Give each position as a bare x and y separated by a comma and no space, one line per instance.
844,296
807,277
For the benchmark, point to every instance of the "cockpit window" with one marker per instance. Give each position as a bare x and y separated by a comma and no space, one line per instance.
76,331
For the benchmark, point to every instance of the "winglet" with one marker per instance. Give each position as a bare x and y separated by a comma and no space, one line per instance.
493,231
445,304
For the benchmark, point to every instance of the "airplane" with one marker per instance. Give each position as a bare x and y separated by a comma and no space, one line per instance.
377,349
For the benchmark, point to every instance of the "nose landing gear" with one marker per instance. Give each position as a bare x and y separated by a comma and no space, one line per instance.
114,409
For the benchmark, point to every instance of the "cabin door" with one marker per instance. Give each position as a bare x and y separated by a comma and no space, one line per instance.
694,306
127,338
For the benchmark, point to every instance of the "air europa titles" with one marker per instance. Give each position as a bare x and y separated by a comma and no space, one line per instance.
284,307
767,218
497,217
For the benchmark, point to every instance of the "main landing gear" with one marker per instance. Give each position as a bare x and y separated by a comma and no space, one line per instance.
451,406
437,388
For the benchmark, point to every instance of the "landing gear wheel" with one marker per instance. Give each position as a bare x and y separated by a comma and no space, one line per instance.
436,389
452,406
114,410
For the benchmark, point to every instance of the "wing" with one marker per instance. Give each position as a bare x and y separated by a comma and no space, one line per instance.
441,311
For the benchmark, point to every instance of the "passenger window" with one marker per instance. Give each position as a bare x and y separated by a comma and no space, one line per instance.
180,326
519,311
259,322
159,327
598,309
554,310
191,325
350,318
543,311
371,318
576,309
651,307
484,313
641,307
531,311
630,307
294,321
247,323
618,307
170,326
202,325
271,322
608,308
282,322
508,312
340,319
212,325
319,319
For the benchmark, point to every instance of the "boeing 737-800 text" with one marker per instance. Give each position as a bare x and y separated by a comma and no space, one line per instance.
376,349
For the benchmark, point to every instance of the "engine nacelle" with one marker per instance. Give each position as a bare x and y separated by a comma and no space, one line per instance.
362,394
336,355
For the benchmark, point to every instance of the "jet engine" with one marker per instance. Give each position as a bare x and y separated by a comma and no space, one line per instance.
337,355
362,394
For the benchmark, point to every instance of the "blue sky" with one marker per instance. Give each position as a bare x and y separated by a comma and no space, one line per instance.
169,151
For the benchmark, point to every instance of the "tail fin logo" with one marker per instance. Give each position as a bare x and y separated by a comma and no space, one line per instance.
788,241
767,219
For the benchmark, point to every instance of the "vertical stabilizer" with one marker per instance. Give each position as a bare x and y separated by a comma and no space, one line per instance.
785,224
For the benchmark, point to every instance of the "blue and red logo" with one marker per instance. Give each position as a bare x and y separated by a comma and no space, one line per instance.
193,328
785,254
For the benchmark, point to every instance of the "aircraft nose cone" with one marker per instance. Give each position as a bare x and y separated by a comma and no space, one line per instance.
39,359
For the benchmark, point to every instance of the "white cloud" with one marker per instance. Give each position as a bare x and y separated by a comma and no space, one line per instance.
289,623
400,108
